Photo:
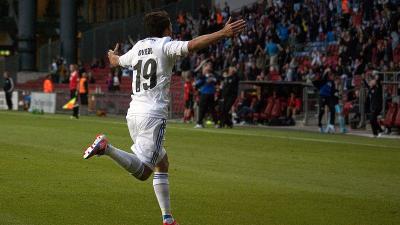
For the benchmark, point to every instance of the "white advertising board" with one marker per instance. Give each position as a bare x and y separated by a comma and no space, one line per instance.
45,102
3,102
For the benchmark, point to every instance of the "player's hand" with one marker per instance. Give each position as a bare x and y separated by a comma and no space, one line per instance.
233,28
113,56
115,51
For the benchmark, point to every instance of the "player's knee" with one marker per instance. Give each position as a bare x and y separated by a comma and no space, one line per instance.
165,163
145,175
162,166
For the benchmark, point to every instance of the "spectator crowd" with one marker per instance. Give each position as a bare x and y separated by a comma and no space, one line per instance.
337,43
334,42
294,40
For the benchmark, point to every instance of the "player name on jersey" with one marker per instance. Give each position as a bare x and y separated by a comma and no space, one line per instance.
146,51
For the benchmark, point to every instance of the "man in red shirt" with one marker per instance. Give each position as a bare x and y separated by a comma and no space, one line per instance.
188,98
73,80
73,85
293,107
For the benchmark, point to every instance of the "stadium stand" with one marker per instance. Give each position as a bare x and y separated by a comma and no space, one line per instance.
352,40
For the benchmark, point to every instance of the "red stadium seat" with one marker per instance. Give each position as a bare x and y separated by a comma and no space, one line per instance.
266,115
276,109
283,104
397,119
390,117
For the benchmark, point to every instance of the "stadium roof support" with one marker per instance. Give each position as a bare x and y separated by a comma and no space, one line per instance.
26,34
68,30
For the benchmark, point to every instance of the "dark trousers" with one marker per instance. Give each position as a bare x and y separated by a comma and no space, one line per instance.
374,122
75,110
226,117
323,101
8,100
83,98
206,105
72,93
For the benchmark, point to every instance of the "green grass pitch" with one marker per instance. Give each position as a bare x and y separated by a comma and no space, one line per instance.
234,176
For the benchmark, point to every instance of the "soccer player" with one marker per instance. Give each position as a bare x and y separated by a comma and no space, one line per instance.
152,60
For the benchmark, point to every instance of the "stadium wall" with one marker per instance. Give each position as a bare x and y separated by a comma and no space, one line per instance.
26,76
234,4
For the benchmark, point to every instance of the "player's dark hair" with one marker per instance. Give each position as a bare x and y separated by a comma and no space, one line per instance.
155,23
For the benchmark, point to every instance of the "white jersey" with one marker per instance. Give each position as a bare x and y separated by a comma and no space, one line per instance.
152,60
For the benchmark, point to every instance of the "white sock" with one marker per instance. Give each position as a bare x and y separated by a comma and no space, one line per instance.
161,189
128,161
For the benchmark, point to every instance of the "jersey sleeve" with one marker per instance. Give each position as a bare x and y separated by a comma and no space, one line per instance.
126,59
175,48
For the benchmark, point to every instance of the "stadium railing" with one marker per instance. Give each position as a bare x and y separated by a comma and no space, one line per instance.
391,87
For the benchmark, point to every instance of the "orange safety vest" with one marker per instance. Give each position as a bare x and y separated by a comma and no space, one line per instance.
48,86
82,88
219,18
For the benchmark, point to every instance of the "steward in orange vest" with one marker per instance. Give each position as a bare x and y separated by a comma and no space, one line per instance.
48,85
83,89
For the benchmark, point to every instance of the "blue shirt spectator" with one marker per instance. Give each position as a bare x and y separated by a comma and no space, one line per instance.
271,48
330,36
206,84
283,32
326,89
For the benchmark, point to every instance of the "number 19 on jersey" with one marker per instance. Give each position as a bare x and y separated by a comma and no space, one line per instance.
147,73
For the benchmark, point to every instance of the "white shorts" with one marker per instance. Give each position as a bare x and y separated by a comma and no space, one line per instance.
147,134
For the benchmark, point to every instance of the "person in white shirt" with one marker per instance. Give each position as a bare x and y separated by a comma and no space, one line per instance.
152,60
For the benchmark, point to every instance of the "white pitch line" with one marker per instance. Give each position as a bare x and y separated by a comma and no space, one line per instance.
221,132
264,135
285,137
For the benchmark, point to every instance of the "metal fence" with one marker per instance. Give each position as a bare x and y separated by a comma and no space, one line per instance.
391,87
110,103
99,103
310,105
391,92
115,104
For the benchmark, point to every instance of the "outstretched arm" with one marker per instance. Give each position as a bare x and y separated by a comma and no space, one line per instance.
230,29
